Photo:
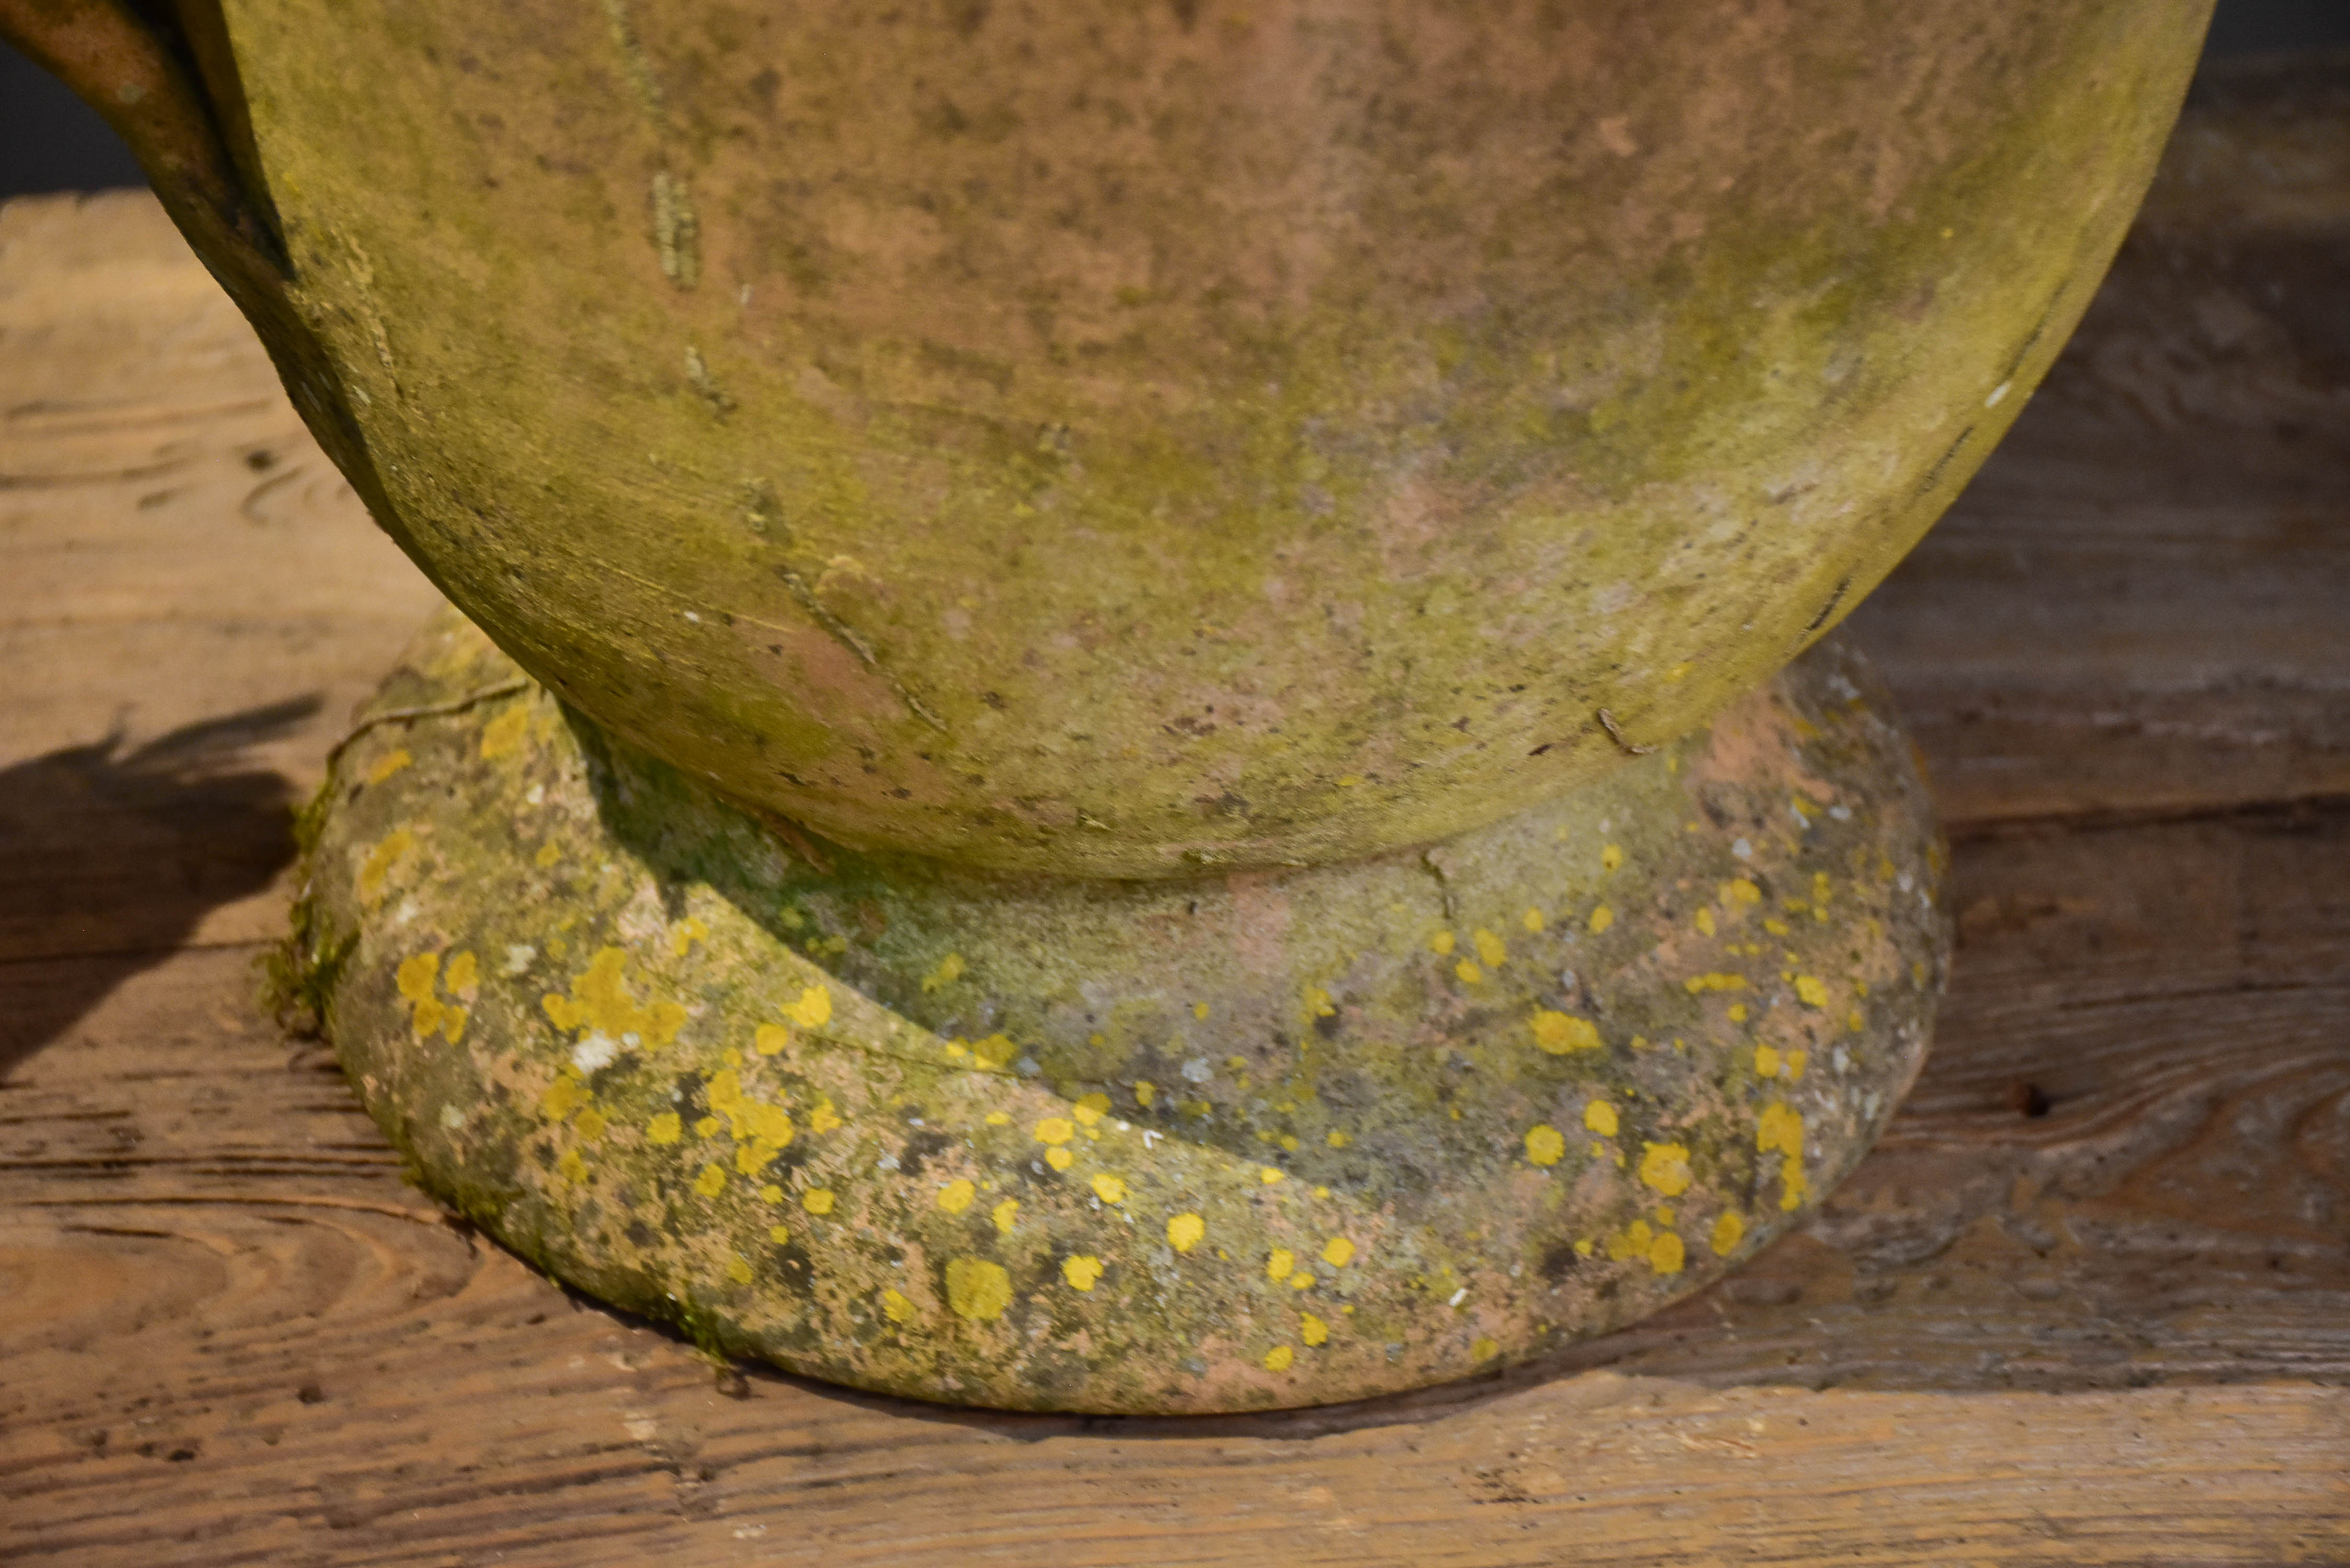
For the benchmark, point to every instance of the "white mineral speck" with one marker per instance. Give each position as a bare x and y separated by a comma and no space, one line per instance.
595,1052
1742,849
519,957
1197,1070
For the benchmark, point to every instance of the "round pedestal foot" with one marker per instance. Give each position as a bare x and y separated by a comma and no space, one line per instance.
1233,1142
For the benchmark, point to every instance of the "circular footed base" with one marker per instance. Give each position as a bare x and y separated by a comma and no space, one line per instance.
1233,1142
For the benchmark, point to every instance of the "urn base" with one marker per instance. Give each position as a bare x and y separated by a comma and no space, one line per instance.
1230,1142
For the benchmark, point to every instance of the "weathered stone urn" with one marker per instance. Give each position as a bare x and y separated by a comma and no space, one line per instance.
1123,735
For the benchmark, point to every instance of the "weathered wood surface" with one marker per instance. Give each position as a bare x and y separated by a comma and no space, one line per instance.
2089,1302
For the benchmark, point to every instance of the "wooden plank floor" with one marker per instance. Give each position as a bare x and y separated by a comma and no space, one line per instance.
2088,1303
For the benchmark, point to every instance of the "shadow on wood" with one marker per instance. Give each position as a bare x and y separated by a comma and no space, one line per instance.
110,858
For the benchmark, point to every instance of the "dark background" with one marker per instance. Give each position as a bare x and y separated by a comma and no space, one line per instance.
49,142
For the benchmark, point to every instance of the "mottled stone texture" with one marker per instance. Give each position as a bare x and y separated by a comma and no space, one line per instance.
1135,438
1217,1143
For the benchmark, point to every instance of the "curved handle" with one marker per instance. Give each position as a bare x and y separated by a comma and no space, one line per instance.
144,68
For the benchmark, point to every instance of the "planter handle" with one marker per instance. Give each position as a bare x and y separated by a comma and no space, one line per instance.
161,75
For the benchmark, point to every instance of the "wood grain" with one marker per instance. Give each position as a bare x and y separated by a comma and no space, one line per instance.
2089,1301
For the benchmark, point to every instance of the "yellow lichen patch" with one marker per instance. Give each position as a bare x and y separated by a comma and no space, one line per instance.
1109,1188
1602,919
1766,1061
1796,1062
1278,1358
1090,1109
387,764
1794,1185
376,867
415,976
503,735
1698,984
1317,1005
1468,970
1184,1230
895,1307
1312,1330
1337,1251
818,1200
1490,948
1199,1010
998,1118
1611,858
813,1010
427,1013
1269,1176
1338,1139
707,1126
563,1096
769,1039
549,853
1781,1128
1081,1270
1005,1214
771,1193
686,932
463,973
1279,1263
711,1183
1441,944
750,1158
1145,1091
1727,1231
1738,1013
949,970
1811,989
1484,1349
1599,1117
1666,1253
1776,928
824,1118
1562,1033
738,1269
1740,891
1545,1144
589,1125
1665,1167
572,1168
1303,1280
779,1234
665,1129
1054,1130
956,1194
600,1002
768,1124
977,1289
1059,1159
1633,1242
1705,921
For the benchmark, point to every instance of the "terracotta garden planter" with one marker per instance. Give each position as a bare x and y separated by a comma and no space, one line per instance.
1135,757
